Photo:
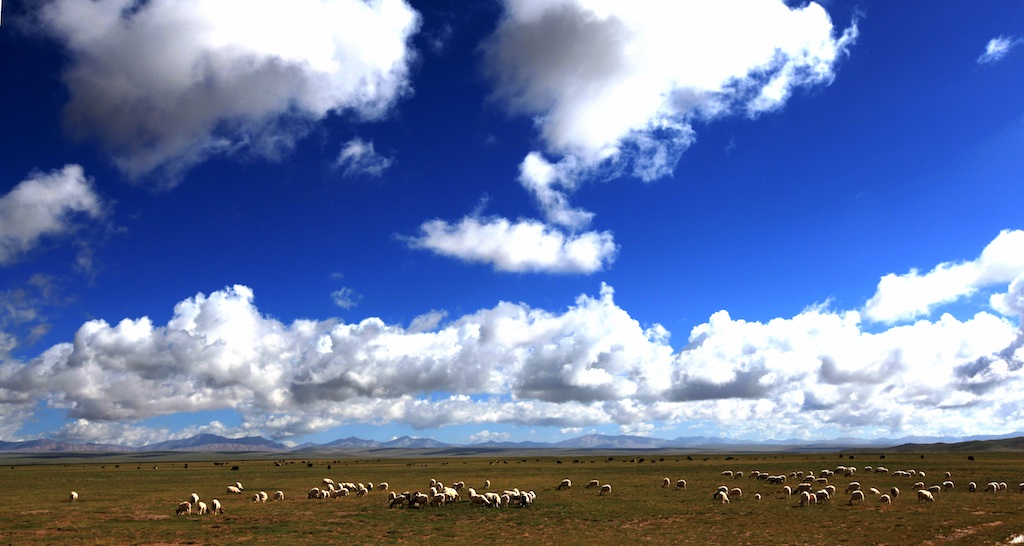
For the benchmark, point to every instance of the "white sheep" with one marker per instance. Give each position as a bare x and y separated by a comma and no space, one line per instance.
736,492
935,489
972,487
382,486
184,508
727,473
992,486
680,484
895,492
215,507
806,498
234,490
874,491
566,484
948,484
73,497
487,484
314,493
665,482
787,491
854,486
593,483
857,496
885,499
475,499
279,495
202,508
263,496
327,482
194,498
493,499
256,498
757,496
925,496
606,488
722,496
1021,487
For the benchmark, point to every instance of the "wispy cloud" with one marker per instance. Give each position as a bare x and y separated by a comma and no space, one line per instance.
345,297
997,48
358,157
224,77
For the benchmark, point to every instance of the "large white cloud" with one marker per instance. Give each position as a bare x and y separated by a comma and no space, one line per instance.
606,79
819,373
613,88
163,84
907,296
46,205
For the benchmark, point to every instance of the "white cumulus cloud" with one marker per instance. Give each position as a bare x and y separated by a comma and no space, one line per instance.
164,84
612,79
910,295
820,373
45,205
521,246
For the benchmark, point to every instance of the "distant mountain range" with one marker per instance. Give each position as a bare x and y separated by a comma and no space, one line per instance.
212,442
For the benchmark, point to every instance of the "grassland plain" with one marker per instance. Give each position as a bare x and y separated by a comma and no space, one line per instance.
132,501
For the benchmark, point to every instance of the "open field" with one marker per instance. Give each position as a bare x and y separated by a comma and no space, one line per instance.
131,501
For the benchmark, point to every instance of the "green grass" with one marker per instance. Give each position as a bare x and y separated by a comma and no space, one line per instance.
134,503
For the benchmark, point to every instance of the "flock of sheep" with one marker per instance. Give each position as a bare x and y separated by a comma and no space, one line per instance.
811,488
816,489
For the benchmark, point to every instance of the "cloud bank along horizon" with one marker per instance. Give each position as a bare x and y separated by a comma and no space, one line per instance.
589,364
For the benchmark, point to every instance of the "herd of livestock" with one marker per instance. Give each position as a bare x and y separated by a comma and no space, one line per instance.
809,488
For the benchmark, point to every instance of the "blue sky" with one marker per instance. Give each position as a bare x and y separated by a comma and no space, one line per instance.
510,220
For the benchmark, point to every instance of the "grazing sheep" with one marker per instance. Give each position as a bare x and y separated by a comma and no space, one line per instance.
857,496
885,499
475,499
493,499
992,486
193,498
256,498
895,491
948,484
925,496
74,496
854,486
918,485
666,482
487,484
739,474
681,484
972,487
948,475
727,473
935,489
215,507
722,496
263,496
606,488
234,490
736,492
382,486
806,498
278,495
201,508
1021,487
787,491
184,508
566,484
757,496
1002,486
874,491
593,483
